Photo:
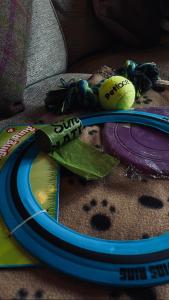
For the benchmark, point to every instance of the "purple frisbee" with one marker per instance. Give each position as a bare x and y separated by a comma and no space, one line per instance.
145,148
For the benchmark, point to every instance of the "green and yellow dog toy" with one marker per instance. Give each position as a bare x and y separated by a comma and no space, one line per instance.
118,91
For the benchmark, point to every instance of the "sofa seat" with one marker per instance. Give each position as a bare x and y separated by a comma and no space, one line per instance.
34,96
115,59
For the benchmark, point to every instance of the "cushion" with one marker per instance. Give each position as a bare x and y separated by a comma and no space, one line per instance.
46,52
83,32
15,18
133,22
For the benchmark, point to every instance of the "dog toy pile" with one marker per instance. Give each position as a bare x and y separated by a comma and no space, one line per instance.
118,91
122,263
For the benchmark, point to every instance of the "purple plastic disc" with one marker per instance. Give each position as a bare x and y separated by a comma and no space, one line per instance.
145,148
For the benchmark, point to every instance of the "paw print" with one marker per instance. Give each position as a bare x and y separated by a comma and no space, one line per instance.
73,179
102,220
150,202
134,293
23,294
144,100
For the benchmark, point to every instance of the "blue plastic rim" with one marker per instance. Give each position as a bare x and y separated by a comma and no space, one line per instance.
120,263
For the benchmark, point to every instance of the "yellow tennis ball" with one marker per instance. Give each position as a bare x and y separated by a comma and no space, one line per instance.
117,92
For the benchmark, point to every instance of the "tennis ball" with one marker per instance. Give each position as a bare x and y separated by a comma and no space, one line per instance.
117,92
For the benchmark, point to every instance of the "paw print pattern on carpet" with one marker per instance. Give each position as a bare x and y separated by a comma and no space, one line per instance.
23,294
76,179
100,221
144,100
73,179
91,135
145,236
150,202
134,293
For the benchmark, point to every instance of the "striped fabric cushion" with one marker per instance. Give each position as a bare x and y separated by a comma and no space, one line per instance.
15,18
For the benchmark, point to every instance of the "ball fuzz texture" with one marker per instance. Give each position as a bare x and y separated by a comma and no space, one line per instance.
116,92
